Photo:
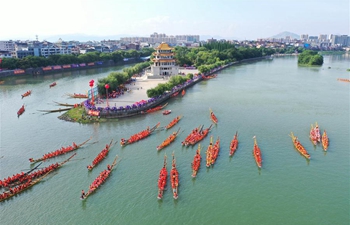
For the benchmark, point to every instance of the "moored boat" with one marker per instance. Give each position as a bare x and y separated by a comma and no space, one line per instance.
166,112
174,178
234,144
196,161
157,108
173,122
213,117
99,180
56,110
102,155
209,76
58,152
139,136
26,94
175,94
52,84
299,146
343,79
325,140
257,153
183,92
20,111
163,174
30,182
65,104
169,140
77,95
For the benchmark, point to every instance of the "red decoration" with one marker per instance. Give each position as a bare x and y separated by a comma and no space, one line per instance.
91,84
107,86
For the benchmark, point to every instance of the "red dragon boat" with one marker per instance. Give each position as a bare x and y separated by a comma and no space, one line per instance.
197,137
215,151
213,117
18,178
183,92
163,174
257,153
169,140
299,146
234,144
20,111
325,141
139,136
31,181
194,132
174,178
52,84
209,153
99,180
58,152
27,94
173,122
157,108
102,155
315,135
196,161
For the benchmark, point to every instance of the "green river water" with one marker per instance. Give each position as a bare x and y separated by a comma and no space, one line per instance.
267,99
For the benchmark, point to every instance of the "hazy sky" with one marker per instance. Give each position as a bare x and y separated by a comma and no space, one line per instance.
242,19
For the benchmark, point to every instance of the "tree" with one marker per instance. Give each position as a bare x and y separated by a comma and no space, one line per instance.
309,57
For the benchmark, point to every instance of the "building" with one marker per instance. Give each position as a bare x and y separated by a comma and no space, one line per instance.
7,46
5,54
304,37
341,40
322,37
50,50
159,38
163,61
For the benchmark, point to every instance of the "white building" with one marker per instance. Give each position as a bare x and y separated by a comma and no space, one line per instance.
163,61
50,50
7,46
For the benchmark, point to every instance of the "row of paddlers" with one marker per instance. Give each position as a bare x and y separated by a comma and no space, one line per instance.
22,181
174,179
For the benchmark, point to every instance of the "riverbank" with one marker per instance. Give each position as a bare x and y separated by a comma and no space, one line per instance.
63,68
134,103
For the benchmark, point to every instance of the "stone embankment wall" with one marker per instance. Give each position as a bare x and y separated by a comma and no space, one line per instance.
63,68
108,113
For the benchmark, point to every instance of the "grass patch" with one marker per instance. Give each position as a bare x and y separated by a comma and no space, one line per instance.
79,115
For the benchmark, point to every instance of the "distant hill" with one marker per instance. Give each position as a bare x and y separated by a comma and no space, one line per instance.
286,33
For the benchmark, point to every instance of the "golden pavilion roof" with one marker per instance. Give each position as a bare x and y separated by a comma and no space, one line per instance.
163,60
164,46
